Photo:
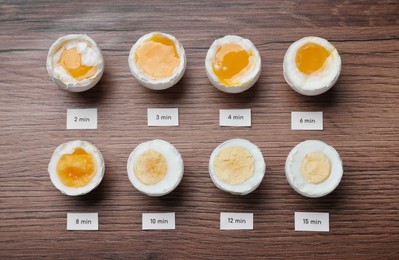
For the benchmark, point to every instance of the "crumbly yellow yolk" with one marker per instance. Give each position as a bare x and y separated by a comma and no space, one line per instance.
234,165
310,57
157,57
71,61
230,63
150,167
77,169
315,167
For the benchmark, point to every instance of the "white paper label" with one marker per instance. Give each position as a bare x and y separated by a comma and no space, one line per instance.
158,221
306,120
82,221
82,118
236,221
312,221
235,117
163,116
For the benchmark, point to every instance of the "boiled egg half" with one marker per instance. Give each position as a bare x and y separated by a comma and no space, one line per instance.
313,168
233,64
75,62
311,66
155,168
76,168
237,166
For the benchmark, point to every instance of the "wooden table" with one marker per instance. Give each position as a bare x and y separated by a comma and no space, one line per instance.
361,120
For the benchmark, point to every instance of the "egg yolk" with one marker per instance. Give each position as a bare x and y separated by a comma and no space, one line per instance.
230,63
150,167
77,169
310,57
315,167
157,57
234,165
71,61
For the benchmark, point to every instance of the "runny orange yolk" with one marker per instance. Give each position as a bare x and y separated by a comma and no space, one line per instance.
157,57
71,61
77,169
311,57
230,63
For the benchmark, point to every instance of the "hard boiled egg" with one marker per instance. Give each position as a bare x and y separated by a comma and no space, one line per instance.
233,64
75,62
157,60
76,168
155,168
237,166
311,66
313,168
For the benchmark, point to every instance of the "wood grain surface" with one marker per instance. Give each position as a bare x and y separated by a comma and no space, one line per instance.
361,120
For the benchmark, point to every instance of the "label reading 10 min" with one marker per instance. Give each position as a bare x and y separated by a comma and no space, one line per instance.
158,221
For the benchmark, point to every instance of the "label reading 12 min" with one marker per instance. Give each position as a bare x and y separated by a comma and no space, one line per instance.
236,221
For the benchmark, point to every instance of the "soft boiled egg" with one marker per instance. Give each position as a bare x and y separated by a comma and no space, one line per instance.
237,166
157,60
313,168
76,168
233,64
311,66
75,62
155,168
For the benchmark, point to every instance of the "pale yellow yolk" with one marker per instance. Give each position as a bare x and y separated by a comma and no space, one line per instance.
315,167
77,169
157,57
234,165
230,63
71,61
150,167
311,57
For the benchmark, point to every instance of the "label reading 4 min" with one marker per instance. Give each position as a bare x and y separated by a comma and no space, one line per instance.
235,117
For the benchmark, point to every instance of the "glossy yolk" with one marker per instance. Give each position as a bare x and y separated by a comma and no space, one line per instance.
150,167
311,57
230,63
77,169
157,57
71,61
315,167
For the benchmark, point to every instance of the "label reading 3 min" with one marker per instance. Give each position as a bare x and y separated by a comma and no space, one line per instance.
306,120
163,116
235,117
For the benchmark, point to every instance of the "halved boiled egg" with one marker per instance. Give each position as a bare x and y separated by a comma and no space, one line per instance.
313,168
157,60
75,62
237,166
233,64
311,66
76,168
155,168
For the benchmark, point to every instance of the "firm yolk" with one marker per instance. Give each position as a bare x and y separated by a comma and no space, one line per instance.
311,57
150,167
77,169
230,63
71,61
315,167
234,165
157,57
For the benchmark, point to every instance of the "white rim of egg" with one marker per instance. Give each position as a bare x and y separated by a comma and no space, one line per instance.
319,81
298,182
175,168
254,181
157,84
61,77
246,82
69,148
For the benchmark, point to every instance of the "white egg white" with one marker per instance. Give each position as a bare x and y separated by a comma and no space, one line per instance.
298,182
175,168
91,56
69,148
259,170
317,82
249,79
149,82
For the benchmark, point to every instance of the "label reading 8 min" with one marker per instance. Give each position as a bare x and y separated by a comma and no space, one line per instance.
82,221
